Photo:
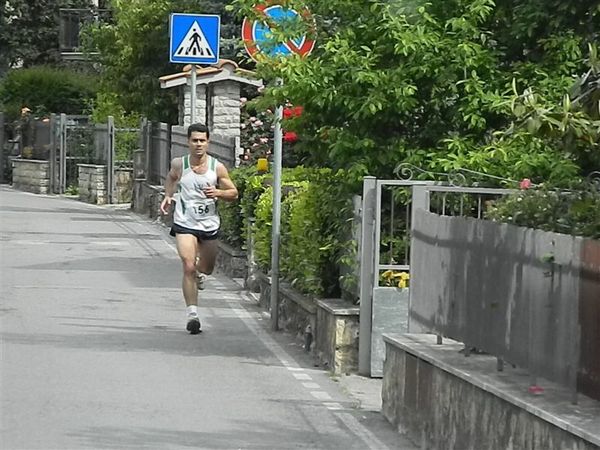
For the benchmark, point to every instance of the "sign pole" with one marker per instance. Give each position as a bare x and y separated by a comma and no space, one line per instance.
276,226
193,95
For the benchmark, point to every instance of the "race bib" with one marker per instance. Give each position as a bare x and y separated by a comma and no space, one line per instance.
202,209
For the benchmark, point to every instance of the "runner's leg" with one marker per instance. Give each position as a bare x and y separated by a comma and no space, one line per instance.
187,248
208,256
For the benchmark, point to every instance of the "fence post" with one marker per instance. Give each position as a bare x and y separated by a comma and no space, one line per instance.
419,200
52,156
367,260
62,133
110,169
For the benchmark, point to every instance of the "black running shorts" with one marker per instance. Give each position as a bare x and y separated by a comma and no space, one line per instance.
200,235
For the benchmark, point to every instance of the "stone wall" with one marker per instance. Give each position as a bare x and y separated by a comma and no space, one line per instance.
226,109
31,175
445,401
231,261
123,185
92,183
327,327
336,335
186,101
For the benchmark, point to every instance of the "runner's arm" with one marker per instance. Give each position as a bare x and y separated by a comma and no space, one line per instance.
171,184
225,190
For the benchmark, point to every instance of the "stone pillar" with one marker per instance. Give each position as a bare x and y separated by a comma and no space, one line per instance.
226,110
185,108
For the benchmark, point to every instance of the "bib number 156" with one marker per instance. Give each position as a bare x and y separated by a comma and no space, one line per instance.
201,209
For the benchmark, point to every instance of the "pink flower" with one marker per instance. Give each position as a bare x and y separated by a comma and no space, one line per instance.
264,140
525,183
243,100
258,123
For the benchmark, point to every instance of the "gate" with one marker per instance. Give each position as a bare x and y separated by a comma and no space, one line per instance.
388,208
75,140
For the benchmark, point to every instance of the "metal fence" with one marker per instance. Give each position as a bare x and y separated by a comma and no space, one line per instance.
508,291
160,143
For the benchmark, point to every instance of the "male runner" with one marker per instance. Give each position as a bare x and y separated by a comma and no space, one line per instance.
200,180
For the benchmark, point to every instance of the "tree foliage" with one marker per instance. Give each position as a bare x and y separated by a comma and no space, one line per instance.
134,51
46,90
470,84
29,31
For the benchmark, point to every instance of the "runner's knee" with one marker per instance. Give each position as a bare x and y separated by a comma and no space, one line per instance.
189,267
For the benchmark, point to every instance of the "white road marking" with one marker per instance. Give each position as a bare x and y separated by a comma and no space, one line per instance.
311,385
302,376
333,406
320,395
351,423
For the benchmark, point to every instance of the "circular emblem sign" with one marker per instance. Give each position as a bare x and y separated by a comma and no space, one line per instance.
259,36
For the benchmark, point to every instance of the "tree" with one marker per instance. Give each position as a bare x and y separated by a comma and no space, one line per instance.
29,31
442,85
134,51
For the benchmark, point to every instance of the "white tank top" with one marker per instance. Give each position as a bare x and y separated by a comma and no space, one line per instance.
193,210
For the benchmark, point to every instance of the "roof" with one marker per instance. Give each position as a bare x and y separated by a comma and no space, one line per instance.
224,70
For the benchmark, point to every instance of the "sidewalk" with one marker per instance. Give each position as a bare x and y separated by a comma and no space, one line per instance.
94,353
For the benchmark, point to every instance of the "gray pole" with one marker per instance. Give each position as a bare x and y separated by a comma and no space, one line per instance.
367,269
277,144
193,95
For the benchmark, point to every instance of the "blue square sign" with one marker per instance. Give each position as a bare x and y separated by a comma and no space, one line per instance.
194,39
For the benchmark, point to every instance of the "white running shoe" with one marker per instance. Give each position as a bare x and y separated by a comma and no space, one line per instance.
200,279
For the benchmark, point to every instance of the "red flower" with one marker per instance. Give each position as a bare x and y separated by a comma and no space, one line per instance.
525,183
290,136
296,111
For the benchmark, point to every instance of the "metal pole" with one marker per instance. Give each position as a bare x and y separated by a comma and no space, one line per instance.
63,154
367,261
110,170
193,95
275,230
2,148
52,155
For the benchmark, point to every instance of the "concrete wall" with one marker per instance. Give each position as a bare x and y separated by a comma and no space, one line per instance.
31,175
445,401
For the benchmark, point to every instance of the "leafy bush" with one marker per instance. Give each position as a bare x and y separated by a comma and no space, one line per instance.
233,227
315,225
574,212
46,90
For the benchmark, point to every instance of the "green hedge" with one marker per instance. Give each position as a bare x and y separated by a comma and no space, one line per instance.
46,90
575,212
315,224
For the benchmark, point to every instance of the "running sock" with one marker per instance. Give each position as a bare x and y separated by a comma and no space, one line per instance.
192,310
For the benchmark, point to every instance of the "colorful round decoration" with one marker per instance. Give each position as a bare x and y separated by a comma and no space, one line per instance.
256,34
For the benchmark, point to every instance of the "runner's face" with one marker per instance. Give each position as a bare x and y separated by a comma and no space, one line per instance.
198,143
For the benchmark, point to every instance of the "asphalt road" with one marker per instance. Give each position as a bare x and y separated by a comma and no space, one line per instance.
94,354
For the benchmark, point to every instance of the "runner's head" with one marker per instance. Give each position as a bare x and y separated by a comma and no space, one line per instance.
200,127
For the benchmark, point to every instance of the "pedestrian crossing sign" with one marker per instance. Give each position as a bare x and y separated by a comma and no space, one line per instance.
194,39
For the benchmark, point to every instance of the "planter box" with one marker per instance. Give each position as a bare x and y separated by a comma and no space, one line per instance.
390,315
328,327
337,335
231,261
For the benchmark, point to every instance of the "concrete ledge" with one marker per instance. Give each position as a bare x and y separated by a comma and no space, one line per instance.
336,343
448,401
